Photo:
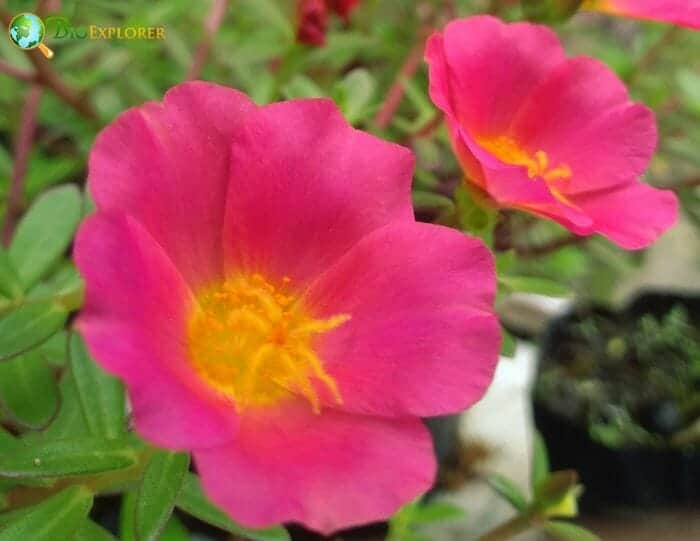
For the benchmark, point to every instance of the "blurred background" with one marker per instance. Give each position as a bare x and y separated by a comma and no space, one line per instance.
602,354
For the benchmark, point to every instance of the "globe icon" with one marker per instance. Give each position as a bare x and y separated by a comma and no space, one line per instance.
26,30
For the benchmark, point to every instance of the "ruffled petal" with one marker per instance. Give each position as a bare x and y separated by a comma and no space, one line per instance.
167,165
133,322
632,214
484,95
422,339
327,471
306,186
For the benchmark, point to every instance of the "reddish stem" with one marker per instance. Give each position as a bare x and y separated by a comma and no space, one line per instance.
211,27
23,145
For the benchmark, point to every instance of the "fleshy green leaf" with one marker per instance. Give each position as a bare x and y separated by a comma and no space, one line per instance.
425,513
127,517
540,461
29,325
509,491
161,484
44,233
354,93
56,518
68,457
193,501
101,396
70,422
565,531
10,285
531,284
28,389
89,531
554,489
174,531
508,344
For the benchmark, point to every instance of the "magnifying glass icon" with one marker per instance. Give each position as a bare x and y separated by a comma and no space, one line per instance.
27,32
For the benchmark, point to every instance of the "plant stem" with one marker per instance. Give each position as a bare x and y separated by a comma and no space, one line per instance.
393,97
23,145
17,73
508,530
211,27
652,54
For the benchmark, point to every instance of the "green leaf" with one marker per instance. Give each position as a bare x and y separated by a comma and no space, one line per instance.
44,233
300,86
474,213
68,457
532,284
28,326
540,460
509,491
508,344
565,531
101,396
174,531
10,285
193,501
127,517
89,531
70,422
427,513
354,93
161,484
28,389
56,518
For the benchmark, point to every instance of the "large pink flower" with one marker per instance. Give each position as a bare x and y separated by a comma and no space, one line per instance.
553,136
256,277
680,12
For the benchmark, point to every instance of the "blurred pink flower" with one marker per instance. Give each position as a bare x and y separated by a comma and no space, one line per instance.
553,136
680,12
313,18
256,277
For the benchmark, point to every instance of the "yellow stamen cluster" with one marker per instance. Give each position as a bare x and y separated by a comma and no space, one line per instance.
254,342
509,151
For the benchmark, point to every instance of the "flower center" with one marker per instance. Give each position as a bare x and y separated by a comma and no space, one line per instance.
254,342
508,150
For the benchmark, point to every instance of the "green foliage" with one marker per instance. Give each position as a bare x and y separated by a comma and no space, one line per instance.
162,479
409,522
100,395
44,233
28,390
56,518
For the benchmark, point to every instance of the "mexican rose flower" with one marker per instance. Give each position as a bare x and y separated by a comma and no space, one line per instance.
313,18
256,277
554,136
680,12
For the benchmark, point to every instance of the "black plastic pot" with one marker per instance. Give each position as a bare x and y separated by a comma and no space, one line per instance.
635,476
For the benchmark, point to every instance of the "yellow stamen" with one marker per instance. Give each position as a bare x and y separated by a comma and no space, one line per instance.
508,150
253,341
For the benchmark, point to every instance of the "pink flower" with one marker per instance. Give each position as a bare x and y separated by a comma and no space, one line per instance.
553,136
680,12
256,277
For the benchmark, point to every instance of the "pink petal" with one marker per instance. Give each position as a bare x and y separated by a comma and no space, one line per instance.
632,214
422,339
326,471
133,321
167,165
581,115
681,12
305,187
485,95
